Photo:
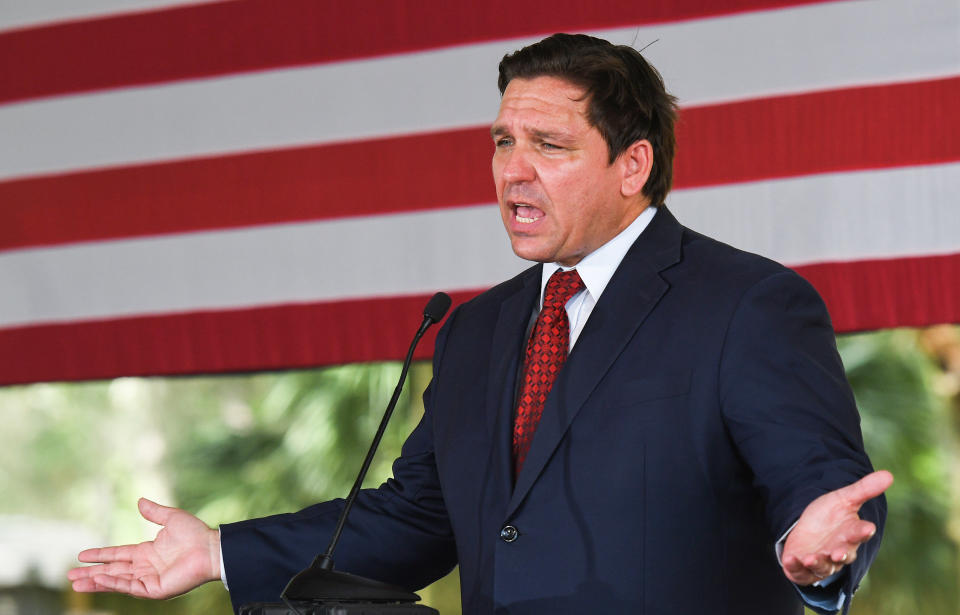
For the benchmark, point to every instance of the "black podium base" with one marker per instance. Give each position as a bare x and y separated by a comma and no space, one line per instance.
336,608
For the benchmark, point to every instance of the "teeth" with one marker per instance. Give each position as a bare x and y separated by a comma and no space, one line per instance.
523,219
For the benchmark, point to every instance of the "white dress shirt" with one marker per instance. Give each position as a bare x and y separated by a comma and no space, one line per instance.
595,270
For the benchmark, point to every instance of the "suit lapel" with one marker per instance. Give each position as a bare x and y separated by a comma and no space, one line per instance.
632,293
508,343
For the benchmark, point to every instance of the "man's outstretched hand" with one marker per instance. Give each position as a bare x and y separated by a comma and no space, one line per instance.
826,537
185,554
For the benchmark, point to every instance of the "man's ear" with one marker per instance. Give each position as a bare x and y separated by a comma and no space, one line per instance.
637,162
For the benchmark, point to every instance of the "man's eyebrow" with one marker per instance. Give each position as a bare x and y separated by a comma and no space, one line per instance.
498,130
546,135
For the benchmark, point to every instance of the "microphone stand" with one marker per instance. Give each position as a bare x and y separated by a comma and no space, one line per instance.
319,588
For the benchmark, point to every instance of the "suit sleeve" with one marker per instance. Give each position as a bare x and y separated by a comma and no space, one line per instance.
790,411
398,533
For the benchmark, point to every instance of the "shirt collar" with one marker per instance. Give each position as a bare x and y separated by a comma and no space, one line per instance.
597,268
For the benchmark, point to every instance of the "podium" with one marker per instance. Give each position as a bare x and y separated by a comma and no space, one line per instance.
319,591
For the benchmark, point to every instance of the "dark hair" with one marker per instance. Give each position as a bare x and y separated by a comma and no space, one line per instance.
626,102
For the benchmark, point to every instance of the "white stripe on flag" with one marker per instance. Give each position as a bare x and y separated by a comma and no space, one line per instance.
821,46
908,211
873,214
354,257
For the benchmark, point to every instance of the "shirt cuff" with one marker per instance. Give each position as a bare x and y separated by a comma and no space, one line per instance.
223,569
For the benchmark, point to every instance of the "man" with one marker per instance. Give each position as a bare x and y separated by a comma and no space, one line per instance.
697,451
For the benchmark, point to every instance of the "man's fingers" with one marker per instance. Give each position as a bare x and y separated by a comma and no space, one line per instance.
823,568
126,586
843,557
793,564
76,574
868,487
854,535
154,512
797,572
862,533
85,585
114,569
107,554
813,564
801,574
108,583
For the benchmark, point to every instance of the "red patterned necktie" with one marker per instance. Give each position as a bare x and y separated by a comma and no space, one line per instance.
546,352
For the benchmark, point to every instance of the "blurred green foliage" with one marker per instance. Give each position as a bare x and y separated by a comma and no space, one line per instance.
233,447
909,428
226,448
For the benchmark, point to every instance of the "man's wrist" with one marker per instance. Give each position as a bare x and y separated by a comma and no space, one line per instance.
213,551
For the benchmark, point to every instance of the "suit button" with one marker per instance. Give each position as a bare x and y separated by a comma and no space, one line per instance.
508,533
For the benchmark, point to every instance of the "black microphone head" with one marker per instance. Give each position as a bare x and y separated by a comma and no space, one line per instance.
437,307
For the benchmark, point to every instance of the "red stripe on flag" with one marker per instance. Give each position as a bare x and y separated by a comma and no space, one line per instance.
330,181
227,37
877,294
860,295
858,128
279,337
837,130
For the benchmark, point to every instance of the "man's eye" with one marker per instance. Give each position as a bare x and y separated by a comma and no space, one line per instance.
551,146
503,142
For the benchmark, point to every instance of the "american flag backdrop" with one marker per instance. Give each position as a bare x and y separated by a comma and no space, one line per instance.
201,187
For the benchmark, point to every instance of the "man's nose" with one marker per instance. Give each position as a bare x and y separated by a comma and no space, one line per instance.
518,167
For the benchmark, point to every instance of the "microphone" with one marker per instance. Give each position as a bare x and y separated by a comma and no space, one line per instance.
436,309
321,589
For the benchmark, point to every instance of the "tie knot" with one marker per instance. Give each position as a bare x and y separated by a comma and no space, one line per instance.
560,287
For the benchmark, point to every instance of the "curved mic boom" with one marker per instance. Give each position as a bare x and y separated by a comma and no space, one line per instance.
320,581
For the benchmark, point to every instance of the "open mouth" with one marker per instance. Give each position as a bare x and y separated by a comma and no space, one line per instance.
526,214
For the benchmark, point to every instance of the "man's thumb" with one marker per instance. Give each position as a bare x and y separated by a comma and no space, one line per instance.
154,512
870,486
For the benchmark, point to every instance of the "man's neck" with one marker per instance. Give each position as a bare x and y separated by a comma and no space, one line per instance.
598,267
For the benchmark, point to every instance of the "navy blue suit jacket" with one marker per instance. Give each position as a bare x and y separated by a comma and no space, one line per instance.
702,408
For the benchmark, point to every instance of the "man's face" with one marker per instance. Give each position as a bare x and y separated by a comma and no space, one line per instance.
559,198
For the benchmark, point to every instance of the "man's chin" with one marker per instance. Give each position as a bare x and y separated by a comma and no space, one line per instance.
525,250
